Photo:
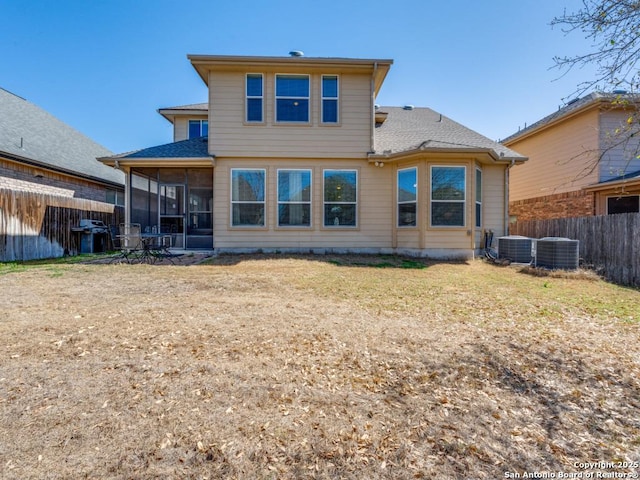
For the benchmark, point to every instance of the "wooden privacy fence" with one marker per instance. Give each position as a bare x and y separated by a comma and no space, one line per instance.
37,225
610,244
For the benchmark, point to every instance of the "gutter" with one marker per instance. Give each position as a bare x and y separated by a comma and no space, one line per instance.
506,197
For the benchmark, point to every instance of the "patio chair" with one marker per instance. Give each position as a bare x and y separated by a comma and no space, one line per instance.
113,236
131,245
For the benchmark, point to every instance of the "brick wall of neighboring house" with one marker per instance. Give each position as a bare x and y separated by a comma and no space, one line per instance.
560,205
26,177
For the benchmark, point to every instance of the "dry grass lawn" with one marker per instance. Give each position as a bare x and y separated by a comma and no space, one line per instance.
258,367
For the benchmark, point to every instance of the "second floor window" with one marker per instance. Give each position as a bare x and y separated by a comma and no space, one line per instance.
198,128
292,98
254,97
329,99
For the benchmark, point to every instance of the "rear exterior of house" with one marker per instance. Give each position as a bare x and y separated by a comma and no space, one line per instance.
582,161
291,154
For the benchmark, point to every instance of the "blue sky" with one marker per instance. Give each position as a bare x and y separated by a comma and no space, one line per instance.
106,66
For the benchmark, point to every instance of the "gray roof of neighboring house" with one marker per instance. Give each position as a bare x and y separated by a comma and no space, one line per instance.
422,128
192,148
34,136
626,176
575,105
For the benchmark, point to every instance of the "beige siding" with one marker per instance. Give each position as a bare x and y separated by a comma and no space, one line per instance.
620,157
231,136
560,158
493,201
374,209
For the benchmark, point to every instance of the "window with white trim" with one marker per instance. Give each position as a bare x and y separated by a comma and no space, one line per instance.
292,98
329,99
623,204
198,128
478,198
294,198
448,187
340,198
407,197
248,197
255,97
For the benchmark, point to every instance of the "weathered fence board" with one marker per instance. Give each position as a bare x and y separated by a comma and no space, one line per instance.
37,225
610,244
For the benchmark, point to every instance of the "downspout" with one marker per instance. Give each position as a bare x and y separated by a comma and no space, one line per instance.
506,196
127,194
373,109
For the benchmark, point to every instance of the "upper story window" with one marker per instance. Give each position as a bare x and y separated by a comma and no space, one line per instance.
329,99
292,98
198,128
407,197
448,187
255,97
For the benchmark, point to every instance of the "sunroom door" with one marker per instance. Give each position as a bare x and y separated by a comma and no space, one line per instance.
172,212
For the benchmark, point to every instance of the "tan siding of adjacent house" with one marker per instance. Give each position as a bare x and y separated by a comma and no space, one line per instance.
560,158
232,136
619,157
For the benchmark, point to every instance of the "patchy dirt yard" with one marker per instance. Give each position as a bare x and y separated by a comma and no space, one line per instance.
314,367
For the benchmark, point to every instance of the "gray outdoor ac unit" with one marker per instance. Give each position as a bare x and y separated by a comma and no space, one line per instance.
515,248
558,253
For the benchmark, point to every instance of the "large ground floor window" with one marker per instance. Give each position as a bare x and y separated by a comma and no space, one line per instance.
248,197
340,198
448,194
294,198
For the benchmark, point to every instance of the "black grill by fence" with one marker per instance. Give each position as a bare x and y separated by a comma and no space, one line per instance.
610,244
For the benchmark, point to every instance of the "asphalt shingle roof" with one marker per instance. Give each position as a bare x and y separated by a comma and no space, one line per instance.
572,106
411,129
28,132
193,106
192,148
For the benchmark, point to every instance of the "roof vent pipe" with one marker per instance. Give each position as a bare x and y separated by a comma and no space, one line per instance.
296,53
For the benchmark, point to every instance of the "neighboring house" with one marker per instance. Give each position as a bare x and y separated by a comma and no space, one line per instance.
582,161
291,154
49,181
40,153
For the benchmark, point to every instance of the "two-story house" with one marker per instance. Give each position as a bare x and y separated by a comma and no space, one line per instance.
583,161
292,154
